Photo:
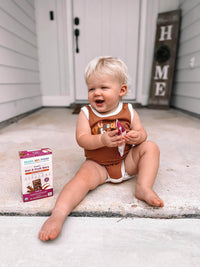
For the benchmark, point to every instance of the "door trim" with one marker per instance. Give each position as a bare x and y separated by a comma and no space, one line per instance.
70,49
149,11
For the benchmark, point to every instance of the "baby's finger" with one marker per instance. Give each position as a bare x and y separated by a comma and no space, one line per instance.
121,142
130,140
113,133
118,143
117,138
132,135
128,137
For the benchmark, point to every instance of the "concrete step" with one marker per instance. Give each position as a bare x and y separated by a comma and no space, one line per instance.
101,242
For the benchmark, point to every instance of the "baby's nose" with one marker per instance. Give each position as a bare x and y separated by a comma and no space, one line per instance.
97,91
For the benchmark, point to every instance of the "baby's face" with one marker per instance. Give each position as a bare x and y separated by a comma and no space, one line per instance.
105,92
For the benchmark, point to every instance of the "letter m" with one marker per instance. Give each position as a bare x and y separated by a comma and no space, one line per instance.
161,73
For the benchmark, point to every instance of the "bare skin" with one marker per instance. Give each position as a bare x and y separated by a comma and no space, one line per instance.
104,94
145,162
89,176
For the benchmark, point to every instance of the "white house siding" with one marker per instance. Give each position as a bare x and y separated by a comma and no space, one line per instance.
186,91
19,71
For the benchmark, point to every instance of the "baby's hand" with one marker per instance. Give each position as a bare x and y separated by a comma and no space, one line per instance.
112,139
132,137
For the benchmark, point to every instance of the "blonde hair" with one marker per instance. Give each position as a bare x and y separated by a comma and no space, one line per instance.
107,65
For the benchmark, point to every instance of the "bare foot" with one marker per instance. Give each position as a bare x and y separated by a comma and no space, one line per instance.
51,228
149,196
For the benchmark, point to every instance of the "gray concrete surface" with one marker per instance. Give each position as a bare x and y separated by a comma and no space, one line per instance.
178,180
101,242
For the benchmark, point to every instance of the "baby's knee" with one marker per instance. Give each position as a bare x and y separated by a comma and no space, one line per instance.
152,147
90,175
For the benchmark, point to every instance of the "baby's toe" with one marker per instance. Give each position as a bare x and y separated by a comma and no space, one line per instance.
41,235
157,202
54,233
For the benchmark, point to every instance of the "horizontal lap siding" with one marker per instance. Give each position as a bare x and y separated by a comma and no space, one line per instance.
186,91
19,68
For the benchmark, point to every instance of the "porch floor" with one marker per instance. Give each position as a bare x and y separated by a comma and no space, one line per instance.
98,241
178,181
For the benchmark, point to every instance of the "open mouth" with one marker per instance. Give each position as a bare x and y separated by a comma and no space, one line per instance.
99,102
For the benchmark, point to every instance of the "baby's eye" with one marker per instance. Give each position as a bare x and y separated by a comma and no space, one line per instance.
91,89
104,87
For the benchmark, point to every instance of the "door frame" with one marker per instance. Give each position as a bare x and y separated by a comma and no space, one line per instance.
148,17
147,26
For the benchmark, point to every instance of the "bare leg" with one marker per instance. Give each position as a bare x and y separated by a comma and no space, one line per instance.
144,161
89,176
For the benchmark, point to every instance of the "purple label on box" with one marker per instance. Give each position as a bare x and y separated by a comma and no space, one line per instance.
34,153
37,195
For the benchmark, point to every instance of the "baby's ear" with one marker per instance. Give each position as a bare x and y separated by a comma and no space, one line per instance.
123,90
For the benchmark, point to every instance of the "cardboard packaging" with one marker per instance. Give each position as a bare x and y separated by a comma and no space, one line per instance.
36,174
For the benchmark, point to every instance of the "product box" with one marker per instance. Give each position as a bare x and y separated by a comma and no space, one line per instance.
36,174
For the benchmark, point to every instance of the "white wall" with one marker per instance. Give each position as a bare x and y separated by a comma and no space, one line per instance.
168,5
19,71
186,92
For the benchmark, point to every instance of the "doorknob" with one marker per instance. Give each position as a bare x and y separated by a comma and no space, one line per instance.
77,33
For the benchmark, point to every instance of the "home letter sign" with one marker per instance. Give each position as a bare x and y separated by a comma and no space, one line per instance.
164,59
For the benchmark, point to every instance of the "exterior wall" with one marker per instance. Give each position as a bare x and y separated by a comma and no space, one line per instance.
186,91
169,5
19,71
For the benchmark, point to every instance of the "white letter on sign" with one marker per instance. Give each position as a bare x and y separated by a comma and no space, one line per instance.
160,89
166,32
161,74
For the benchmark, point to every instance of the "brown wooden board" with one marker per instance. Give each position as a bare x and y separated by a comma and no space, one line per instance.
166,43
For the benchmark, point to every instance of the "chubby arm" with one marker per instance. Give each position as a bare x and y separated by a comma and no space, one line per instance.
137,134
89,141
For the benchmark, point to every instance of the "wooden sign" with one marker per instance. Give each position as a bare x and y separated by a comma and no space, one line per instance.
164,60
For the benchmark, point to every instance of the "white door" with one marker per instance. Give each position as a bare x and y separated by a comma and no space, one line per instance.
106,28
